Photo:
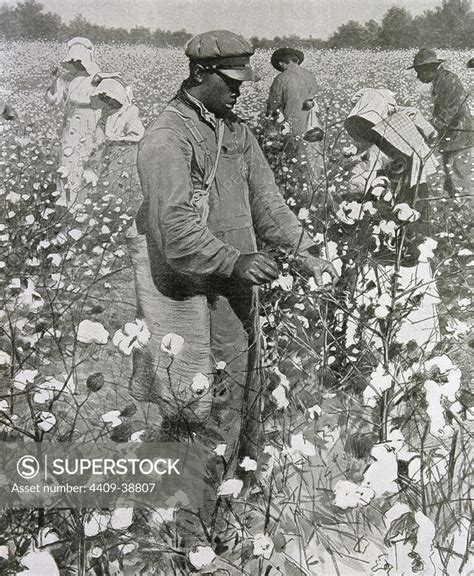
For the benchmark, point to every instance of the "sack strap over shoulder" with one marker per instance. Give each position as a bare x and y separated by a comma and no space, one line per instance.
220,137
190,125
193,129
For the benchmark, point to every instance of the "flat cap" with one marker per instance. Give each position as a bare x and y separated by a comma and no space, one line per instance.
224,51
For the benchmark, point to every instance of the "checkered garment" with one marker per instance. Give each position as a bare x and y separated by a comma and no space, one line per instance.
406,130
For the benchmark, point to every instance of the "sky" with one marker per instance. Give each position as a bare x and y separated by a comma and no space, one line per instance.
269,18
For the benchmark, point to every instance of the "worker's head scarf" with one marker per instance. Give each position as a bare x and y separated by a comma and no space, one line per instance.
82,49
113,88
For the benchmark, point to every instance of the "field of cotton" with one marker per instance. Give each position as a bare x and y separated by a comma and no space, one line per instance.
367,410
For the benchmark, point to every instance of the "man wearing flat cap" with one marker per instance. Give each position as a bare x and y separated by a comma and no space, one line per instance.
452,120
208,194
293,93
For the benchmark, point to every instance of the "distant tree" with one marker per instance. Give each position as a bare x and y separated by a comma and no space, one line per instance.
140,35
373,33
349,35
450,25
397,29
28,20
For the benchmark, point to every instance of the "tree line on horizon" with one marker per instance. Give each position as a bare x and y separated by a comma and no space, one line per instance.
449,25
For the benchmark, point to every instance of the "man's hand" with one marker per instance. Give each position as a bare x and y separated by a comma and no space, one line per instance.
256,268
317,266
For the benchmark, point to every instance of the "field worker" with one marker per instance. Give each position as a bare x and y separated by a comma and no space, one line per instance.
208,194
293,93
452,120
119,130
73,88
7,111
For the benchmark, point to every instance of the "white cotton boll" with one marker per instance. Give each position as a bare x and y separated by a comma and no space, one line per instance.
137,436
350,495
248,464
424,542
388,227
279,396
96,524
112,417
13,197
4,552
38,563
284,281
426,249
127,548
406,213
457,329
47,536
369,208
303,214
161,516
220,449
231,487
200,383
381,476
56,259
132,336
314,411
29,298
4,406
5,359
92,332
96,552
46,421
172,344
380,381
384,303
42,397
395,512
201,556
378,191
300,448
75,234
435,410
263,546
90,177
463,303
283,379
121,518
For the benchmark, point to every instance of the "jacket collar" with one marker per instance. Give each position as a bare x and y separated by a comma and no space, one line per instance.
188,100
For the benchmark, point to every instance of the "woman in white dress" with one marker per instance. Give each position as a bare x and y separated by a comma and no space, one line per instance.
73,88
119,130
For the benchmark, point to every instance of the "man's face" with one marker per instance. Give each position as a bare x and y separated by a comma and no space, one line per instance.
221,93
425,74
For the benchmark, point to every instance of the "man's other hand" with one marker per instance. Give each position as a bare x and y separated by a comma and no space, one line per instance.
256,268
317,266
